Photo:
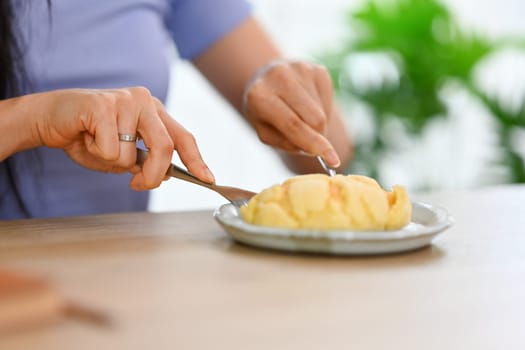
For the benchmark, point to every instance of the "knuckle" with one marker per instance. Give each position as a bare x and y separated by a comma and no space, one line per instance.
186,141
191,138
319,68
108,156
304,67
256,91
127,161
124,100
294,125
258,96
319,122
322,73
140,92
264,137
192,159
104,104
280,72
165,146
123,96
158,103
319,144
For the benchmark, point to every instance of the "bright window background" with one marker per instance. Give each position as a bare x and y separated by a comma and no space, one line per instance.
301,28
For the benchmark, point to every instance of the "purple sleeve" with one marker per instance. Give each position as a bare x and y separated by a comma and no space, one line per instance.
196,24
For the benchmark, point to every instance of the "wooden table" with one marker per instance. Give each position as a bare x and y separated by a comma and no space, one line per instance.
175,281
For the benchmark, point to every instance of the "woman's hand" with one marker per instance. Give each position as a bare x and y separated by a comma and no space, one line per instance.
87,124
290,105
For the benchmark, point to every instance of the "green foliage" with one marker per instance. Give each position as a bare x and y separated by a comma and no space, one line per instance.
429,49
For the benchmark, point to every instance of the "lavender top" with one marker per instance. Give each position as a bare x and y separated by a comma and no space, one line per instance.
101,44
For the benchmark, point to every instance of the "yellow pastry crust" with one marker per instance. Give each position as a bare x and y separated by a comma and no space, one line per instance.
318,201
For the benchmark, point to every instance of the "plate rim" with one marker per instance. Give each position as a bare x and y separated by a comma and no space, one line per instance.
445,220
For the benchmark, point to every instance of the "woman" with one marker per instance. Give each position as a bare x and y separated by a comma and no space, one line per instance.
74,44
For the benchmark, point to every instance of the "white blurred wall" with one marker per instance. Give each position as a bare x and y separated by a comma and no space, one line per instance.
301,28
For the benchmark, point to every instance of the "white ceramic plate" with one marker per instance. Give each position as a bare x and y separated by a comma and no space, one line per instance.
427,221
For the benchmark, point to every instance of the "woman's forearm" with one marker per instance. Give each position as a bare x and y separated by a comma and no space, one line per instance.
231,62
16,125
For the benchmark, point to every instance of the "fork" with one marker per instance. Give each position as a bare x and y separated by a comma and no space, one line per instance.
237,196
331,171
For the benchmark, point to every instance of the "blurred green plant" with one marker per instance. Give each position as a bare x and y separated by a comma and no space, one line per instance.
429,49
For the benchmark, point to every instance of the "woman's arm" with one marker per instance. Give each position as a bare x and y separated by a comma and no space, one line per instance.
291,107
16,126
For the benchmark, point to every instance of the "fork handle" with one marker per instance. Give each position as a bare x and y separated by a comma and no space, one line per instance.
174,171
182,174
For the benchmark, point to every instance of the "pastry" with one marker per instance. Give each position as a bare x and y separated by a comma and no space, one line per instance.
341,202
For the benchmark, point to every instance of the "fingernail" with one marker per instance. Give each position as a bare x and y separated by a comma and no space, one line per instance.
303,153
209,176
332,158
